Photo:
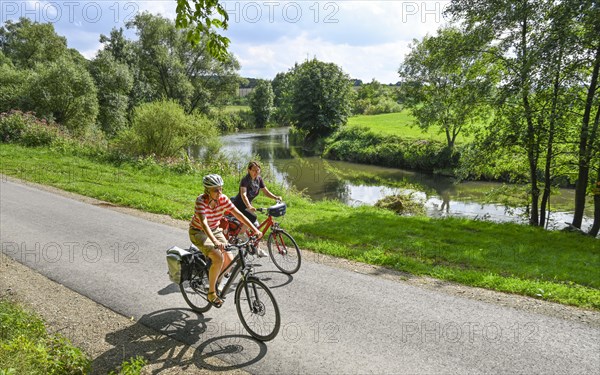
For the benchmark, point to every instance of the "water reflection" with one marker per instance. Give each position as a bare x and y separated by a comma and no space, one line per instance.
356,184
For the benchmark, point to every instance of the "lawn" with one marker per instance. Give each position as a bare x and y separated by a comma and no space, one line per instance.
555,266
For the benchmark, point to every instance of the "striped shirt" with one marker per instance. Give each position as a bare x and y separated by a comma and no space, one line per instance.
212,215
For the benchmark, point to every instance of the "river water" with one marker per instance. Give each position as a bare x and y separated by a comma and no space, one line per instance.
357,184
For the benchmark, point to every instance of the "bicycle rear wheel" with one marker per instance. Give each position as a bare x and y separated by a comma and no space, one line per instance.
257,309
194,291
284,252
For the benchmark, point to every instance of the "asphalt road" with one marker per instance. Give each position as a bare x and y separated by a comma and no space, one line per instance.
334,321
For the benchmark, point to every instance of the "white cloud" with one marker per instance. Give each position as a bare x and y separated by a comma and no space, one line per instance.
363,62
368,39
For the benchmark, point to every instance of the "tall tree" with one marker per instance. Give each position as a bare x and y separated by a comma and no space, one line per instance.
261,103
114,81
172,68
28,43
282,90
321,98
589,14
526,111
66,92
448,82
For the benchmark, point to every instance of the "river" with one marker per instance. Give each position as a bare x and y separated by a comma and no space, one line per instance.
356,184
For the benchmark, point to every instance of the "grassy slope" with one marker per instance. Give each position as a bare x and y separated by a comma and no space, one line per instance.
402,124
556,266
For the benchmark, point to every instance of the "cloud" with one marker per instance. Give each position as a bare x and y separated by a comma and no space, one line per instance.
379,61
368,39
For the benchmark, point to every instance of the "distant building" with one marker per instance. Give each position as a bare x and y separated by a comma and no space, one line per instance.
242,92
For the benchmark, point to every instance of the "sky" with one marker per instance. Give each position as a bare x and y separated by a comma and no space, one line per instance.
367,39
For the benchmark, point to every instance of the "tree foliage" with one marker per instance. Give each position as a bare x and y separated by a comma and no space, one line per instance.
114,81
65,92
374,98
27,43
448,82
282,97
196,17
546,53
321,98
261,103
166,65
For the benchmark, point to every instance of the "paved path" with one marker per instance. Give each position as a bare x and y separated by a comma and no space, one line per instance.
333,320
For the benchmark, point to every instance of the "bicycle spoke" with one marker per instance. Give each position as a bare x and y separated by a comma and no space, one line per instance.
258,310
284,252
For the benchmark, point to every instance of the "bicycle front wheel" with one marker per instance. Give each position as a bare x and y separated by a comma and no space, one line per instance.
284,252
257,309
194,291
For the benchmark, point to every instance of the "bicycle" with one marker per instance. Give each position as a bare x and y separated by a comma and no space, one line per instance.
255,304
283,249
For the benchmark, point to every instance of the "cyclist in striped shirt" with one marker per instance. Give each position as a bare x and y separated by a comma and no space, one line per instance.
206,234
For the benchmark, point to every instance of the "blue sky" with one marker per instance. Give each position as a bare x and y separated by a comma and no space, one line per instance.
367,39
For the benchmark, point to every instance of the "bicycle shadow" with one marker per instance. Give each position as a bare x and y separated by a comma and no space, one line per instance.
274,279
169,289
166,339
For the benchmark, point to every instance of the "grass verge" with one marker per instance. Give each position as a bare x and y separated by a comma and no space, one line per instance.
555,266
26,347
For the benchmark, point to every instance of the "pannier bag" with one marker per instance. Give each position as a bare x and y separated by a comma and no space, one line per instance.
230,225
179,262
277,210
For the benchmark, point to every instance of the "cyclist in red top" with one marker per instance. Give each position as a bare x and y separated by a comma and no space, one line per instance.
205,232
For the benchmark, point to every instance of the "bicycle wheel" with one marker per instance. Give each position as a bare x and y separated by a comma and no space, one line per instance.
257,309
194,291
284,252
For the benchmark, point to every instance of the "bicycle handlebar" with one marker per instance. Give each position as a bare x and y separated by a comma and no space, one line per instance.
230,247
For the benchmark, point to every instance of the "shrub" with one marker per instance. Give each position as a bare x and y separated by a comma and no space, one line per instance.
162,129
361,145
227,122
26,129
12,125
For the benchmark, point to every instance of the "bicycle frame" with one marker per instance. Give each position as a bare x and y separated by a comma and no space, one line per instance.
240,267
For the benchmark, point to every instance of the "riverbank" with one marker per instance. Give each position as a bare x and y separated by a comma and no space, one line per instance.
553,266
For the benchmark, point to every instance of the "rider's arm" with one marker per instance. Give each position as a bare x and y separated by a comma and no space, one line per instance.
246,222
245,199
269,194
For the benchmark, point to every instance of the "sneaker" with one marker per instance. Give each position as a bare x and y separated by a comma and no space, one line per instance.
261,253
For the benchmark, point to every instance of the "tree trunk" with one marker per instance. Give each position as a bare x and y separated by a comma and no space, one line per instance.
584,151
596,226
531,138
549,147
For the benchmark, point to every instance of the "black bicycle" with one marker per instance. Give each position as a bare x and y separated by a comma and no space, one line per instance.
255,304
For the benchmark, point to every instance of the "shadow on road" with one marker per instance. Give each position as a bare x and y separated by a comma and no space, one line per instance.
164,338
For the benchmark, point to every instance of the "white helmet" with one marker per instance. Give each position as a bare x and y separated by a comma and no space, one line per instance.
212,180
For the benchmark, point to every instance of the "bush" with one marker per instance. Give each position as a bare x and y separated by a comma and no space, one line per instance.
162,129
361,145
26,129
227,122
385,105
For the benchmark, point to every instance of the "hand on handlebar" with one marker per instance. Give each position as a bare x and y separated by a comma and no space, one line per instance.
258,235
221,246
